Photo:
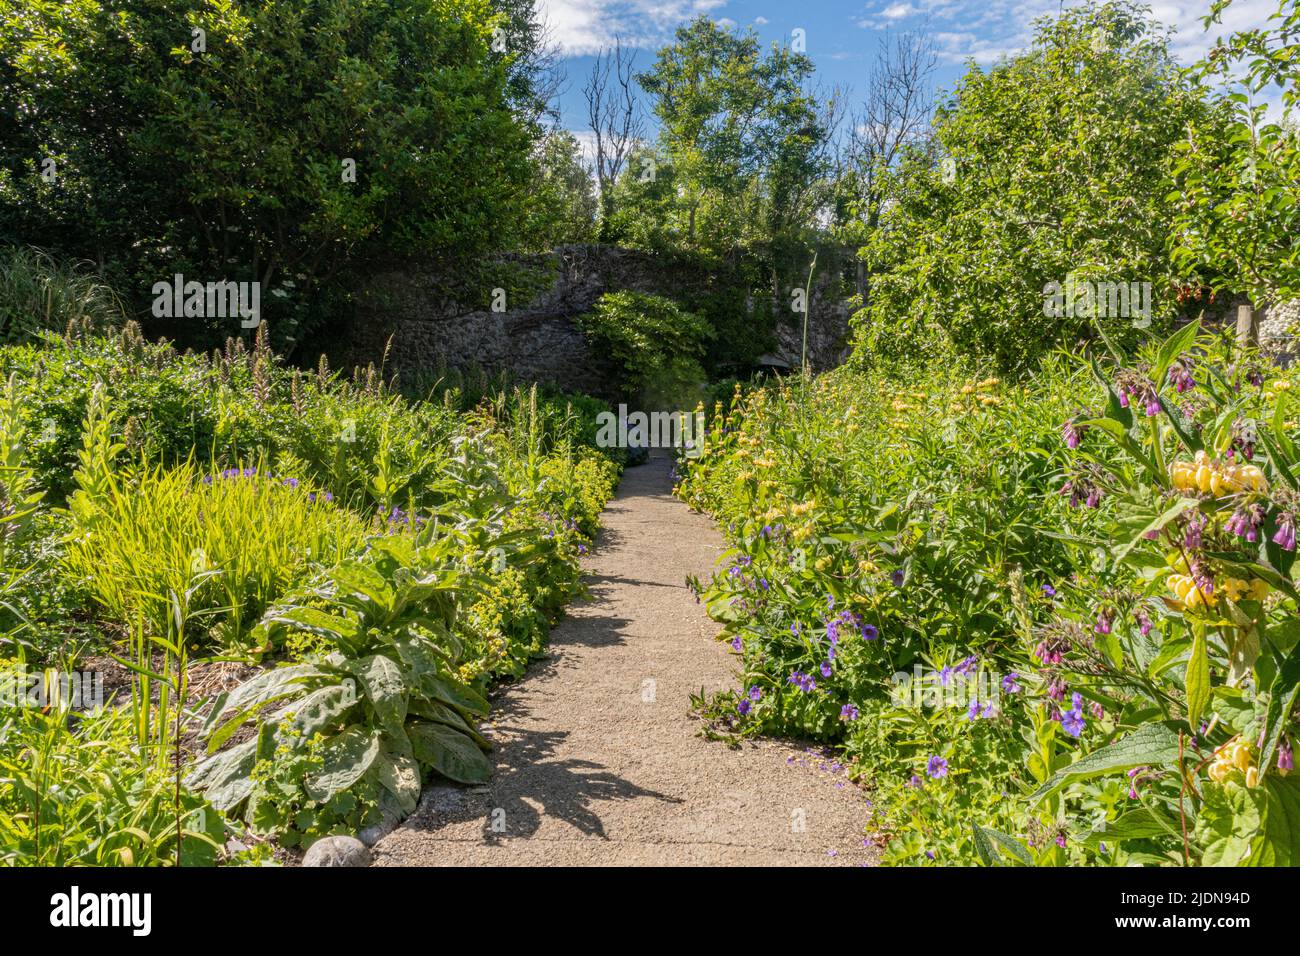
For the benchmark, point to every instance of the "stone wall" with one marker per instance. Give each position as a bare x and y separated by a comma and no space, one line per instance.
535,338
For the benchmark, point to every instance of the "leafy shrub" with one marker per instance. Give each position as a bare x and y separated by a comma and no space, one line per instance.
1182,647
166,163
1235,174
656,345
1058,165
365,721
365,445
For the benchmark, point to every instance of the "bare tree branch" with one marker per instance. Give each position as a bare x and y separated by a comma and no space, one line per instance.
614,116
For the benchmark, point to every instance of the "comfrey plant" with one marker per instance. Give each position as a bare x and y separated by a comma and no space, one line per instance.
1176,664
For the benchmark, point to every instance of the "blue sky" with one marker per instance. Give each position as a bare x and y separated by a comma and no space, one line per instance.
843,35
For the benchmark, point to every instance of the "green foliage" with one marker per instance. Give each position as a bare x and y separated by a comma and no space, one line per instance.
742,135
910,580
230,409
77,794
225,158
1051,166
138,535
1235,175
370,716
564,196
656,345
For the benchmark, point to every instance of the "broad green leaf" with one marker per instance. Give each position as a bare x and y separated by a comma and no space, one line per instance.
449,752
347,756
1172,347
337,629
267,686
1197,680
1151,745
1228,823
989,841
1139,824
440,713
399,774
319,710
382,682
451,691
226,777
1156,524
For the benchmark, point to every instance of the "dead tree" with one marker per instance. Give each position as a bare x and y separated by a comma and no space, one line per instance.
615,118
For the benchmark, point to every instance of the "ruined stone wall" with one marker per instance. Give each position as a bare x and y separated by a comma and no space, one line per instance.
535,338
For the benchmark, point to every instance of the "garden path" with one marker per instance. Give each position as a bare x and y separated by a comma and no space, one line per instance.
597,758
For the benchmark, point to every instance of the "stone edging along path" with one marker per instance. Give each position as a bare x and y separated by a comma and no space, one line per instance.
597,758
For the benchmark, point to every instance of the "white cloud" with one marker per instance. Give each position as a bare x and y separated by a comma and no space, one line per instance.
761,21
583,27
987,29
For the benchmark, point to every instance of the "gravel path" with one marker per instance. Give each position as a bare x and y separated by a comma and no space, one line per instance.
597,758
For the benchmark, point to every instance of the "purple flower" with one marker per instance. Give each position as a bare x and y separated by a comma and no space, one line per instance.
826,669
1104,619
1072,721
803,681
1285,536
1285,759
869,632
794,628
1010,683
1143,621
897,577
290,482
1180,376
1049,591
945,676
743,707
737,644
755,693
1245,522
1071,433
848,712
973,710
967,666
916,782
936,768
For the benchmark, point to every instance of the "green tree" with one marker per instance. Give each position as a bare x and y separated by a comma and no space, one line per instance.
1051,167
742,133
564,201
286,141
1238,176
